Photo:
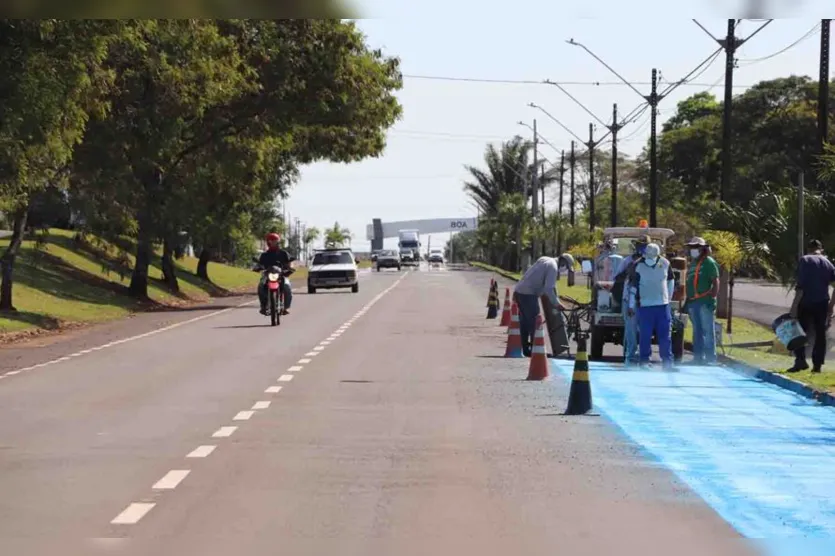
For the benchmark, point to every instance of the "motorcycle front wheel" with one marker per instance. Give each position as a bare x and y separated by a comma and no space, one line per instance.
275,316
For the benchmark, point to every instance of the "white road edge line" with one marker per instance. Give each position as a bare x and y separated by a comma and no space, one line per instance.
319,348
201,451
129,339
261,405
285,378
224,432
243,416
171,479
295,368
133,513
273,390
304,361
311,354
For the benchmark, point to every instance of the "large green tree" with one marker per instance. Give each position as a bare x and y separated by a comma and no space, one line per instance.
51,81
294,91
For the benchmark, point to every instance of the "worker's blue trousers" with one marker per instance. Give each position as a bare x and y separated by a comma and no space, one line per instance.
656,319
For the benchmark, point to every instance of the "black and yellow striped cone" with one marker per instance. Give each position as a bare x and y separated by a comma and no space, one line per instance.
490,291
493,302
579,398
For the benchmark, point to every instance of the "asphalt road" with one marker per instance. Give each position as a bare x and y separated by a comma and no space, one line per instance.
377,423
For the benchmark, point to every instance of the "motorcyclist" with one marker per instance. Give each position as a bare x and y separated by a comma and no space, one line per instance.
274,256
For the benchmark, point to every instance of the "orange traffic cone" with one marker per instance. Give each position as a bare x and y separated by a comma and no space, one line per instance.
538,369
506,311
514,335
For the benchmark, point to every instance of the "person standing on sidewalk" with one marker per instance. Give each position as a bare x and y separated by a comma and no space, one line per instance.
701,290
620,290
540,279
812,305
650,293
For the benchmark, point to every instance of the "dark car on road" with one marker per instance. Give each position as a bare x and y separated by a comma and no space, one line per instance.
388,258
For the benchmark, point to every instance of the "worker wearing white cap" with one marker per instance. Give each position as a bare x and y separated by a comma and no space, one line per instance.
701,289
650,292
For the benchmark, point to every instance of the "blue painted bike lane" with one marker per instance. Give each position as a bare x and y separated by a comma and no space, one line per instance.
761,456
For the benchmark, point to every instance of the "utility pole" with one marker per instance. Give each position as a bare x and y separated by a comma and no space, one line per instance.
572,160
592,219
615,128
653,152
823,91
563,170
534,192
730,44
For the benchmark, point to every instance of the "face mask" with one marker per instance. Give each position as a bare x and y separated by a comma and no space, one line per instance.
651,260
695,253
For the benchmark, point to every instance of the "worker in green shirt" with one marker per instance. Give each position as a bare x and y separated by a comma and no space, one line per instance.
702,287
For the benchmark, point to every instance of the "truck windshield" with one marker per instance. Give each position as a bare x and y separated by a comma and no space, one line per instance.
409,244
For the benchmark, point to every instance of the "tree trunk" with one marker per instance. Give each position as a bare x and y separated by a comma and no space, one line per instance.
8,260
169,270
722,299
203,264
139,278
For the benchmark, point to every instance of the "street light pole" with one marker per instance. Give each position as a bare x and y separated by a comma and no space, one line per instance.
534,192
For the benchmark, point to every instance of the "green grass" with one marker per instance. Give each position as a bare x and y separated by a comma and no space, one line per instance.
69,282
772,358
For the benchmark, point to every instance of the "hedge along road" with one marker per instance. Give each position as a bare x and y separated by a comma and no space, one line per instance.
376,423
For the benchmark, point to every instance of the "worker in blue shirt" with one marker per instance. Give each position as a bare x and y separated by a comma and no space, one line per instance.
651,289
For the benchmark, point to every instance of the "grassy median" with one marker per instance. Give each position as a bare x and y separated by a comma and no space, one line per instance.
65,282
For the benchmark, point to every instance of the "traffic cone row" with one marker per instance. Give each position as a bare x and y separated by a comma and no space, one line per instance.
514,335
506,311
490,292
538,368
579,397
493,301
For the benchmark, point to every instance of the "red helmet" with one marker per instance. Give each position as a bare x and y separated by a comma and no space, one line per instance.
272,236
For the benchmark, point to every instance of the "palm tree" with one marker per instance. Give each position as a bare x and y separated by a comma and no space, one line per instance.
310,235
337,236
509,171
502,190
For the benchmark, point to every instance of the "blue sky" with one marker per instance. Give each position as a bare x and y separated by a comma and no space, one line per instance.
447,124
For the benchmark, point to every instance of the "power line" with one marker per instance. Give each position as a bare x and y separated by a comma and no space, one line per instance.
531,82
812,32
445,134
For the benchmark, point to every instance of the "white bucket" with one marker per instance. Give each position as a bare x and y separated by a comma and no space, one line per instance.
790,334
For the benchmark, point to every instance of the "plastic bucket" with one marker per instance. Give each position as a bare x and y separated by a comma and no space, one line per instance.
789,332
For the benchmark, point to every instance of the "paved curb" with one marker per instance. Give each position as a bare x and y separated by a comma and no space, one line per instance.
739,367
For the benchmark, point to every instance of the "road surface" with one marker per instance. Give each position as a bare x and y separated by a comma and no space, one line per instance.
376,423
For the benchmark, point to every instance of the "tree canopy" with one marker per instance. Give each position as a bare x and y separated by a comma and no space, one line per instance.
158,128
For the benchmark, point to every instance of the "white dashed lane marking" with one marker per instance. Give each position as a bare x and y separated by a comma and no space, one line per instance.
137,510
171,479
126,340
201,452
133,513
224,432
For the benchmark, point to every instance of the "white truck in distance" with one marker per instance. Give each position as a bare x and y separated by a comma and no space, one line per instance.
409,245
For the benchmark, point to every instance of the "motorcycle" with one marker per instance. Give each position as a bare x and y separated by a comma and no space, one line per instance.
275,278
